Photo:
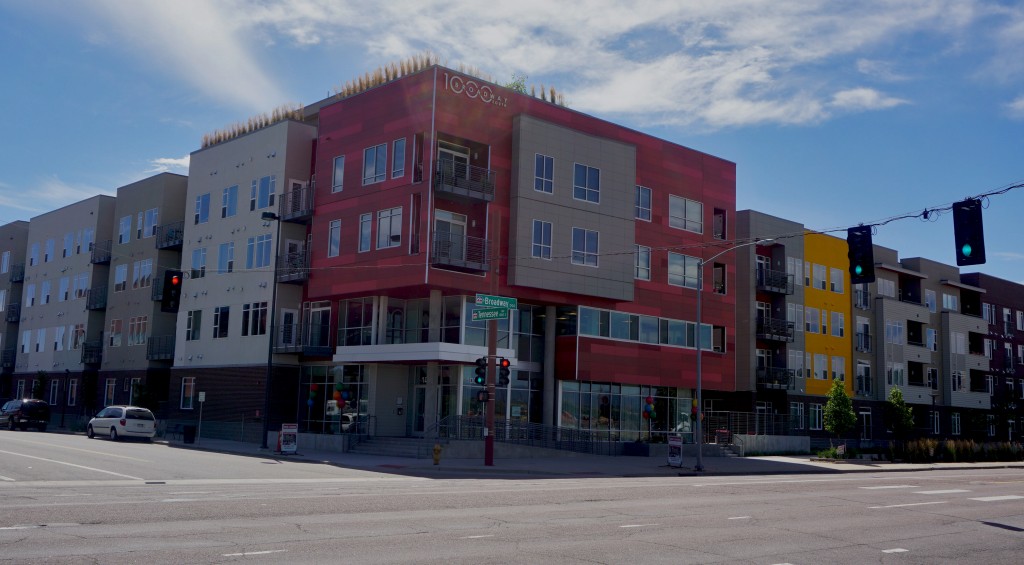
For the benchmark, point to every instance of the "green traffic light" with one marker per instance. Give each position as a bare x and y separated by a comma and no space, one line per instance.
966,250
858,270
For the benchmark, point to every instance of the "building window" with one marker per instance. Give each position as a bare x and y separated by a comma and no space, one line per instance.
398,158
365,231
683,270
138,329
544,174
120,278
40,339
718,227
642,204
685,214
936,428
30,295
821,367
49,253
816,419
257,253
929,300
261,192
254,318
108,392
718,278
836,280
26,343
586,184
116,327
44,292
839,369
54,391
142,274
226,258
585,247
541,239
69,245
949,302
77,336
795,314
193,323
838,324
58,338
229,202
863,378
145,226
202,211
124,230
188,393
375,163
933,378
33,255
5,262
221,318
338,179
62,295
812,319
389,228
796,415
334,238
642,263
198,263
72,392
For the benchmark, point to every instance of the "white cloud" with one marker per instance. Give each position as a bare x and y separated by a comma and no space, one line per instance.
1016,108
1008,255
165,164
48,194
864,99
880,70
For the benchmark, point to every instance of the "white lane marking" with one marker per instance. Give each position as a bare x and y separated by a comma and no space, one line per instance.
191,492
8,479
254,553
914,504
997,498
637,525
894,550
478,537
889,486
182,500
94,452
949,491
739,518
19,527
71,465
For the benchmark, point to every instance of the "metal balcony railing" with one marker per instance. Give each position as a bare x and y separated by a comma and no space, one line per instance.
774,329
17,274
863,385
96,299
770,280
7,358
467,181
100,252
775,378
92,352
170,236
316,340
293,267
296,205
160,348
460,252
863,342
288,338
862,299
13,313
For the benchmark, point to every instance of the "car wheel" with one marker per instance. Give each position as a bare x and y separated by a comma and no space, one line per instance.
41,427
89,433
23,426
10,424
113,434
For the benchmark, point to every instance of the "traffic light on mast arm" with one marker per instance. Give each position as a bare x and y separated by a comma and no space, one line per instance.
862,255
171,298
968,232
481,371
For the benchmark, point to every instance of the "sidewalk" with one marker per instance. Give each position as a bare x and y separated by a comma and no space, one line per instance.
580,465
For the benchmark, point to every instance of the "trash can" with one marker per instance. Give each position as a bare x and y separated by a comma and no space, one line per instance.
188,434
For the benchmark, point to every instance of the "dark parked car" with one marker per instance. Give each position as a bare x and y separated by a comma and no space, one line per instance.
24,413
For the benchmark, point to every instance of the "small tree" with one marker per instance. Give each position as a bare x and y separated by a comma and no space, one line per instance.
839,416
898,416
518,83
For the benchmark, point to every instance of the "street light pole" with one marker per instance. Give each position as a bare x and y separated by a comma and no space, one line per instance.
270,216
699,467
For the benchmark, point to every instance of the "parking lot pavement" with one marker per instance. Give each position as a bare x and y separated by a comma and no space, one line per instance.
583,464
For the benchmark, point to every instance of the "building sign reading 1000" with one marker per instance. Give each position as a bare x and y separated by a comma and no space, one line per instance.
469,87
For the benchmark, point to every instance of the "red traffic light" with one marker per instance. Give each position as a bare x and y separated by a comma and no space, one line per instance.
504,363
175,280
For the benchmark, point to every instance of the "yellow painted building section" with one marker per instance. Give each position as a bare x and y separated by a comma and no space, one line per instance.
827,265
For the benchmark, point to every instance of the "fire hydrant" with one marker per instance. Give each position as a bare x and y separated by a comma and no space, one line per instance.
437,454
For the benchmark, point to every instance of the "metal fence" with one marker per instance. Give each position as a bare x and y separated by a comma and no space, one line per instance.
518,432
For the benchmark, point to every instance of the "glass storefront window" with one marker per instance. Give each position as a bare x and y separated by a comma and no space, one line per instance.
618,410
334,399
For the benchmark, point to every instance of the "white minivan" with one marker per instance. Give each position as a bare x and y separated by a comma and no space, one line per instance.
118,422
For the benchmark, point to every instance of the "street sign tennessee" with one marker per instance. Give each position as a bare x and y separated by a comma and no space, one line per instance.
490,313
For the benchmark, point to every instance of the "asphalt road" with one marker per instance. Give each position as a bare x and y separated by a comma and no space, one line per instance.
67,499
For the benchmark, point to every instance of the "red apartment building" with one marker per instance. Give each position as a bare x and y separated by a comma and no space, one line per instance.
437,186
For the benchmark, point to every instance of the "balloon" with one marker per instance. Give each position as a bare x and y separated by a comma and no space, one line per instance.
339,386
341,404
645,414
312,394
344,394
654,415
309,402
648,400
337,395
313,387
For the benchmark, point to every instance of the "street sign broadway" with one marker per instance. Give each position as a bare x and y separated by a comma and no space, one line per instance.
490,313
489,301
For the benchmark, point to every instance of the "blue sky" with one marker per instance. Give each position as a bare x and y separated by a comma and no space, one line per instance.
836,113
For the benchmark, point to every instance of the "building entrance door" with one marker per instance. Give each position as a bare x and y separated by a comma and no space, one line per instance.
432,402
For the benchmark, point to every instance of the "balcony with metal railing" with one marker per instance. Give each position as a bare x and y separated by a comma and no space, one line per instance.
96,299
463,182
862,342
13,312
861,299
862,385
100,252
288,338
769,280
92,352
160,348
296,205
776,378
774,329
170,236
316,340
460,253
293,267
17,274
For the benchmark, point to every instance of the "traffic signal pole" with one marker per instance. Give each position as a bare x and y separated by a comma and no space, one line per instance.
492,373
